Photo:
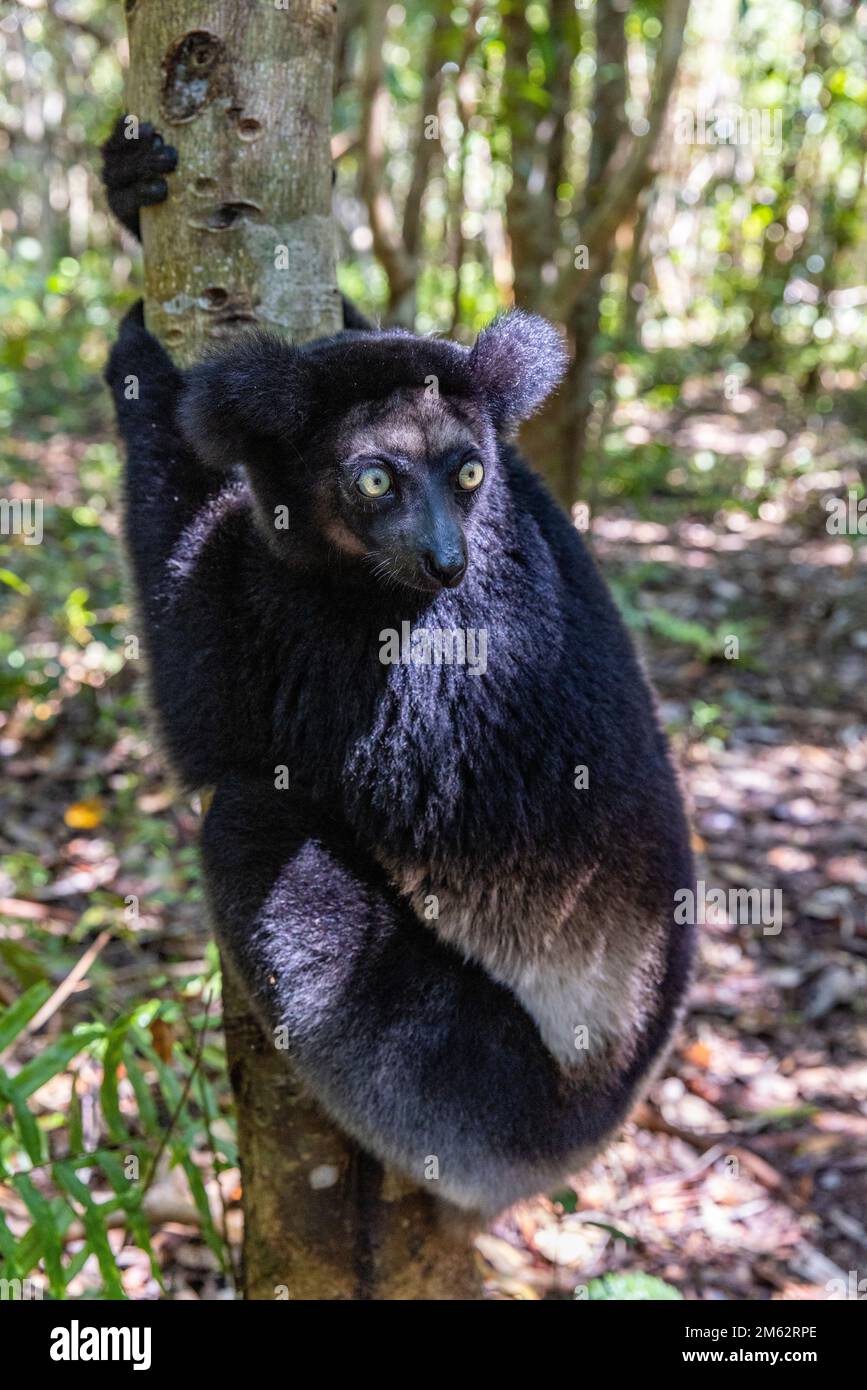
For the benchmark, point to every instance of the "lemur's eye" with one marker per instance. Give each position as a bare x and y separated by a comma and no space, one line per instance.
374,482
471,475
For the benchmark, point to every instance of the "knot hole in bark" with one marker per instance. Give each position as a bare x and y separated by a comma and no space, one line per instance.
215,297
225,215
249,128
196,72
228,311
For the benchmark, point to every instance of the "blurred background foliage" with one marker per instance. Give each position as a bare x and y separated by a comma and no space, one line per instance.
680,188
744,252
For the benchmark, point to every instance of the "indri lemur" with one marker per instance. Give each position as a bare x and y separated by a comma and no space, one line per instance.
461,908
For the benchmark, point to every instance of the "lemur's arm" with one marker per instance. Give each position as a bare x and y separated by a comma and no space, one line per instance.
182,523
134,176
184,527
416,1052
165,485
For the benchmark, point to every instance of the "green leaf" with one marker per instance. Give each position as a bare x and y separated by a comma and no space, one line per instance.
54,1059
142,1091
108,1092
28,1129
631,1287
96,1231
169,1085
19,585
203,1206
75,1124
45,1222
23,963
131,1201
19,1014
30,1247
9,1252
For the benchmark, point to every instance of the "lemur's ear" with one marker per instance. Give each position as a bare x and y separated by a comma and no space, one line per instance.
237,406
517,361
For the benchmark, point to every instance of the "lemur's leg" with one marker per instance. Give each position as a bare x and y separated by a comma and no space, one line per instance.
133,171
429,1063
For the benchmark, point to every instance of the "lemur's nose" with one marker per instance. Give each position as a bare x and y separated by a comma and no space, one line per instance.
446,570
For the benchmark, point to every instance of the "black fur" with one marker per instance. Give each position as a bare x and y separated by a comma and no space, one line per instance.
270,391
134,169
264,653
516,363
416,1052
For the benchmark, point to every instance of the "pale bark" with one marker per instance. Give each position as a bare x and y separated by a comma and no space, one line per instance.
243,92
246,238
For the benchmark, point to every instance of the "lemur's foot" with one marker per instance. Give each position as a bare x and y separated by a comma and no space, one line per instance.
133,169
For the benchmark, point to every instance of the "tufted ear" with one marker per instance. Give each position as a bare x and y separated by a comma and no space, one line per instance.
516,363
237,406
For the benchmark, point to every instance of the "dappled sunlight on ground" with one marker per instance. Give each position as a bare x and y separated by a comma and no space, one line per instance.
744,1174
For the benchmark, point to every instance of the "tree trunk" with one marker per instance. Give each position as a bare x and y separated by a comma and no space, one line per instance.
619,168
388,244
538,139
322,1219
570,410
558,436
246,237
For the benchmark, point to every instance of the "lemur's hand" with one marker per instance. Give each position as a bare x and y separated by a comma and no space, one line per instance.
140,370
133,169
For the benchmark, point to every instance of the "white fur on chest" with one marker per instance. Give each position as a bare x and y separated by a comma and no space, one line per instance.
578,1014
582,993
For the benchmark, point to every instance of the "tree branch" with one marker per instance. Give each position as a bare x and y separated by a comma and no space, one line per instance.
425,147
388,244
622,178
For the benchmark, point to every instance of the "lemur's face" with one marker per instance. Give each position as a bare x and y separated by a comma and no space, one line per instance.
407,475
375,450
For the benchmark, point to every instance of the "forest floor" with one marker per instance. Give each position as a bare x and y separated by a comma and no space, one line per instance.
744,1173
